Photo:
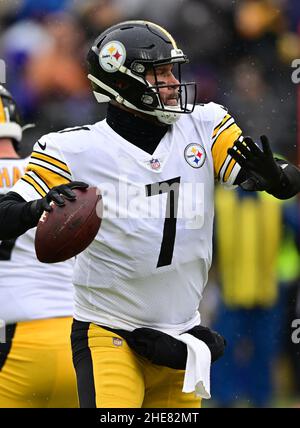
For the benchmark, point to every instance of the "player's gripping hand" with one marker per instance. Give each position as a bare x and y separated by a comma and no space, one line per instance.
57,195
213,340
264,172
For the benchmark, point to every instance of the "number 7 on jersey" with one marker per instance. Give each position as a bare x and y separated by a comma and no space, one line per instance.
171,187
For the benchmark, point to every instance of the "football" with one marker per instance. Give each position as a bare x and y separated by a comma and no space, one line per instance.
66,231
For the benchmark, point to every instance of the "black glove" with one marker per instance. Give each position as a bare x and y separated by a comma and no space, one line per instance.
164,350
213,340
263,170
57,195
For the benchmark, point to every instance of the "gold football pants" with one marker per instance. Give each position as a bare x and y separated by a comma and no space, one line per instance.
111,375
36,367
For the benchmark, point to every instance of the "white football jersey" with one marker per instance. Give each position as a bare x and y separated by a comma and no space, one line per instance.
30,289
149,262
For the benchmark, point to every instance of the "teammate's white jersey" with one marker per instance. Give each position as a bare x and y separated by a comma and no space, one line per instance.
29,289
142,269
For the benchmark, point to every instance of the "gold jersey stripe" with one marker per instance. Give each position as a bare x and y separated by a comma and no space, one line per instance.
49,177
51,160
40,178
221,141
218,127
33,183
2,112
229,169
224,141
226,161
49,156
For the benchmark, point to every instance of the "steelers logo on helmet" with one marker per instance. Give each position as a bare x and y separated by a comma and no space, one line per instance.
112,56
195,155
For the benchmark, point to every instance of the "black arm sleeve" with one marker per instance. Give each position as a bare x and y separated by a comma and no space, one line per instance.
16,216
290,181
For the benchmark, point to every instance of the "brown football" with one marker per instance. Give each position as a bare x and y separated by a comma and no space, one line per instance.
66,231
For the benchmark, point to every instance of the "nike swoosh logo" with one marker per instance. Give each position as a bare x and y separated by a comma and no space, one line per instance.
42,146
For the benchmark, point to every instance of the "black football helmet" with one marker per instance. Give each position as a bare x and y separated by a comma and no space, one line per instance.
119,60
10,121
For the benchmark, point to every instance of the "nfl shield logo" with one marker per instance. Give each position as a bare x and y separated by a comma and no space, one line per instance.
155,164
117,341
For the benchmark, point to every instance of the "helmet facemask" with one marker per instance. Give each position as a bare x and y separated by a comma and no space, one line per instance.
153,98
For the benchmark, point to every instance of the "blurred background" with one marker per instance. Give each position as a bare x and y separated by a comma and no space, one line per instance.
240,55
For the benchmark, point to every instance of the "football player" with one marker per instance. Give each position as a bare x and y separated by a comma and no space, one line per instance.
36,367
156,158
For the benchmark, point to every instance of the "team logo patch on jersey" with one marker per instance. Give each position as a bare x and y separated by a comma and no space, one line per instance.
155,164
117,341
195,155
112,56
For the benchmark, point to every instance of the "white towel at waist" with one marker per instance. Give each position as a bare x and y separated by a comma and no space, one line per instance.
197,370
